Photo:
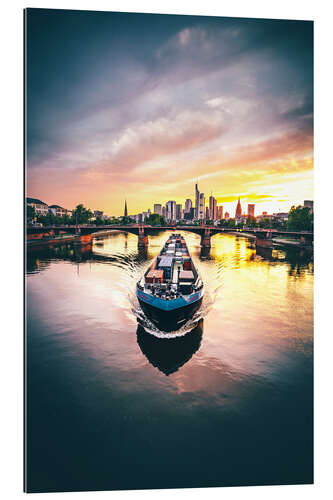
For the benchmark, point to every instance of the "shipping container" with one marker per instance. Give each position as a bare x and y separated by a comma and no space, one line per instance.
186,276
155,276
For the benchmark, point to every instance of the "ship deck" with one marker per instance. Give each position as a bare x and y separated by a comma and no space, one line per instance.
171,281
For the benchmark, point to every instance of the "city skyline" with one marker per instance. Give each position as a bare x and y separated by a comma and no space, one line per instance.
172,210
174,100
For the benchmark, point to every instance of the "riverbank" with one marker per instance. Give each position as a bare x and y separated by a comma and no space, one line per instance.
289,242
61,239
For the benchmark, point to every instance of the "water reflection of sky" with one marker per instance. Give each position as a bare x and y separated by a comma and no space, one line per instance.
255,343
262,312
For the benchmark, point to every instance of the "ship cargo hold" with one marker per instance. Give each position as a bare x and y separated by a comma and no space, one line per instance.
171,290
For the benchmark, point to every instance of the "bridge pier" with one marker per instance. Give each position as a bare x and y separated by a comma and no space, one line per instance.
205,238
264,239
205,253
143,238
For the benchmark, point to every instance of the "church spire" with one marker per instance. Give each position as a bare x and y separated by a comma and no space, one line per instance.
125,211
238,209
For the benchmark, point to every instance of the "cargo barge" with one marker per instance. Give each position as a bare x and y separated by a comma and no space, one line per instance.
171,290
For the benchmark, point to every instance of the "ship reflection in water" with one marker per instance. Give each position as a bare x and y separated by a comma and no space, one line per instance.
168,355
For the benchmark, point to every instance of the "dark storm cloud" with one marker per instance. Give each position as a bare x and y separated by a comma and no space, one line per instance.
91,76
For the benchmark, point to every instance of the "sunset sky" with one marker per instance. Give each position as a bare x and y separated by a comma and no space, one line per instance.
143,106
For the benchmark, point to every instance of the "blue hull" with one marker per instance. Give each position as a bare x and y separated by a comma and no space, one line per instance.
169,315
168,305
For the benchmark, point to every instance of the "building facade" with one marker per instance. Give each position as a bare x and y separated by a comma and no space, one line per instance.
179,211
171,211
188,205
197,202
98,213
309,204
250,210
212,208
202,207
57,210
158,209
40,207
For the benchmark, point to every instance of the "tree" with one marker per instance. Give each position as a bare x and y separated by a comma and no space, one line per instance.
155,220
127,220
251,221
114,220
99,221
47,220
278,223
300,219
81,215
228,223
30,214
265,223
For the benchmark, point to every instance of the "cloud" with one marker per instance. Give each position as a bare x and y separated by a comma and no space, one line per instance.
166,99
161,138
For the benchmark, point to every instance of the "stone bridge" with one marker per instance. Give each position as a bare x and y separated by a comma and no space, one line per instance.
84,233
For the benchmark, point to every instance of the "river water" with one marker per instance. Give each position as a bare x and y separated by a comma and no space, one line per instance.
110,405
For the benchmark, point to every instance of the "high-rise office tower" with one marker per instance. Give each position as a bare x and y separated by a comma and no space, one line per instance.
171,211
197,202
202,206
212,208
188,205
179,211
158,209
250,210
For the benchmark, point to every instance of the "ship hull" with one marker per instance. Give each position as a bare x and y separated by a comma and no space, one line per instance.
170,320
171,290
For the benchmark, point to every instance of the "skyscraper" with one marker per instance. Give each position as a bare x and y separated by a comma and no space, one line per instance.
212,208
158,209
179,211
197,202
202,206
226,215
207,214
250,210
238,209
171,211
220,212
188,205
125,211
